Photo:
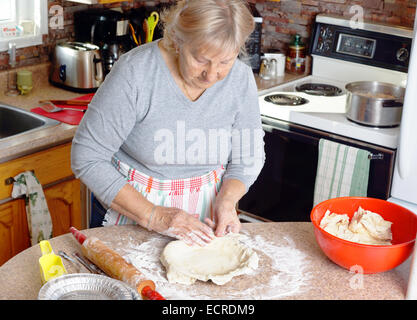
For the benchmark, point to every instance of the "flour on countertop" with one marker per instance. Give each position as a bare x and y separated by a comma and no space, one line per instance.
288,274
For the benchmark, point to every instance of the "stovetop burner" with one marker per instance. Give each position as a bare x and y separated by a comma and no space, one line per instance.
286,100
319,89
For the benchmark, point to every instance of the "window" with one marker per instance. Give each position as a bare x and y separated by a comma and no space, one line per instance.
8,11
22,22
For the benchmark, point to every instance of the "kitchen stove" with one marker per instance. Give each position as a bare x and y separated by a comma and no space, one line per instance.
341,54
337,68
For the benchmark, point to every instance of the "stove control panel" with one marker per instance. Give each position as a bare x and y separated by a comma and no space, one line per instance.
356,46
325,39
361,46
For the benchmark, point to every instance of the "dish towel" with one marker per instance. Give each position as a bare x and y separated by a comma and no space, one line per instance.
37,212
341,171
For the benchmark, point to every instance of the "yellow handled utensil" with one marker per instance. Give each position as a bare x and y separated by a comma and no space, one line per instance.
152,22
51,265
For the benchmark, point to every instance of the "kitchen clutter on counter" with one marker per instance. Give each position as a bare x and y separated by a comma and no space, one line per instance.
272,66
119,281
24,81
50,264
77,66
369,258
296,56
72,115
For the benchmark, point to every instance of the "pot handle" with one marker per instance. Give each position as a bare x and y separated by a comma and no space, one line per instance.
392,104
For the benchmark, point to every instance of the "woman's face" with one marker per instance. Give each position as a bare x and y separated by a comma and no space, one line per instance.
203,68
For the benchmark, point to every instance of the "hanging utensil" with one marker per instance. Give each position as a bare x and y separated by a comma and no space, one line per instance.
152,21
135,39
145,29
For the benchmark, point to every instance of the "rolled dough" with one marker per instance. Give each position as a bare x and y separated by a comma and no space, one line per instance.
219,261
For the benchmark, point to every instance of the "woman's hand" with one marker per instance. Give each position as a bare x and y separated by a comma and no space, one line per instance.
179,224
225,217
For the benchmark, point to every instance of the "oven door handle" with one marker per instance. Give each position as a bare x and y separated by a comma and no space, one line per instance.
293,134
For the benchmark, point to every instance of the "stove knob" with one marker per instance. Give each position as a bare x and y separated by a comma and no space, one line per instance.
320,46
402,54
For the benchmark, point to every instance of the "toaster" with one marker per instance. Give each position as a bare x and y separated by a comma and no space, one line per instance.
77,66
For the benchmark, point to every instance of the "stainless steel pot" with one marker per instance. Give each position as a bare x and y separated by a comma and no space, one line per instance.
374,103
77,65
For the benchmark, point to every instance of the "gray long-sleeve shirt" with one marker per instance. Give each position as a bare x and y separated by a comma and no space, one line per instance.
141,116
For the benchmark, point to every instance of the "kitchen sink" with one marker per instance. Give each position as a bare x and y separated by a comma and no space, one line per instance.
15,121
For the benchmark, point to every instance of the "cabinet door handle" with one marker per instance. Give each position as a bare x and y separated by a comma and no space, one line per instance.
378,156
11,180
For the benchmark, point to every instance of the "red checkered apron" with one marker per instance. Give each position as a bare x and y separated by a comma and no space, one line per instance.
195,195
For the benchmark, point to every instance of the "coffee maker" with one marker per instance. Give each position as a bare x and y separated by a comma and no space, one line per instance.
106,28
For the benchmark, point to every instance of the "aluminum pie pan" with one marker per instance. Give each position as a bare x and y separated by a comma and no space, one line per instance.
85,286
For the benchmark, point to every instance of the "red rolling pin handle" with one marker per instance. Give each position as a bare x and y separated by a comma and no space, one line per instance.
150,294
78,235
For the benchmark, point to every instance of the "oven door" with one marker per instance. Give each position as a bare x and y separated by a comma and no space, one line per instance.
284,190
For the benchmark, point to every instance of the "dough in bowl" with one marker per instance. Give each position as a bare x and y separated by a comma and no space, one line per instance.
366,227
219,261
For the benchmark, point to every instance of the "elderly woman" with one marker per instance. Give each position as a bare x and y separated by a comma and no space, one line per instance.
173,139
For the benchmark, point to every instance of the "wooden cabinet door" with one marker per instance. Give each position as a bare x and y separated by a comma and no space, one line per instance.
14,232
64,204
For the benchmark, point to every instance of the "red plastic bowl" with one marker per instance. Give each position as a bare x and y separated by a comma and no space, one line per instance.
371,258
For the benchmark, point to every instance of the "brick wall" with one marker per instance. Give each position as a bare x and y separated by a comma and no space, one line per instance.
281,20
41,53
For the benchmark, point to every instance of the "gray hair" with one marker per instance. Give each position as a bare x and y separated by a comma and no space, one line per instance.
219,24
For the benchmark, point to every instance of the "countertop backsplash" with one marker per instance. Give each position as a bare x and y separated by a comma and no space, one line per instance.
282,19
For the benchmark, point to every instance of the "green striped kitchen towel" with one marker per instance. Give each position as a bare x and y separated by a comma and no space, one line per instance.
341,171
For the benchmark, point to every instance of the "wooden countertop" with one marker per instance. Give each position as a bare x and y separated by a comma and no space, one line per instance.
291,266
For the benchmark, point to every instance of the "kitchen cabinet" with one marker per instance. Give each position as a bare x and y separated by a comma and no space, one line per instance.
64,204
62,191
14,234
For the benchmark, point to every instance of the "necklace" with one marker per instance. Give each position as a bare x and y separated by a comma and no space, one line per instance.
181,79
186,90
187,93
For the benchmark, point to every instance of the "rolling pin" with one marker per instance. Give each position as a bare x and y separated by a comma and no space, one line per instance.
115,266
